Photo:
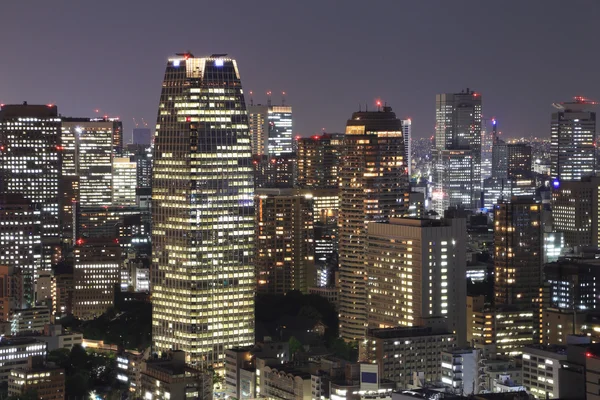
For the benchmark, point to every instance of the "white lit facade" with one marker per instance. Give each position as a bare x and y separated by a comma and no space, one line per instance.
458,128
30,164
203,279
15,352
416,270
124,181
573,141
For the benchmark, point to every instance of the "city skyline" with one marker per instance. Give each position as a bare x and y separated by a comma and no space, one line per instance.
504,59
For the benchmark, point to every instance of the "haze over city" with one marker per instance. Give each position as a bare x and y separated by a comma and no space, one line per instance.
328,57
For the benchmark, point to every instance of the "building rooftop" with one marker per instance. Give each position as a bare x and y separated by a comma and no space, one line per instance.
553,348
404,332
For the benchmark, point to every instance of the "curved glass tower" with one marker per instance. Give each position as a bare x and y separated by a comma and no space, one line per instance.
203,213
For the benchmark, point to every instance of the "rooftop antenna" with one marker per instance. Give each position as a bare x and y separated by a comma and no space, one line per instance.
366,107
251,98
145,123
359,107
135,122
283,98
269,98
494,131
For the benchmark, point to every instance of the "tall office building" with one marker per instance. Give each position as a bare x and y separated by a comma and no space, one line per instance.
518,237
573,141
95,276
89,145
124,181
284,241
518,157
572,283
499,154
30,165
575,211
416,270
20,242
407,131
270,129
274,172
203,277
373,187
457,150
318,161
142,155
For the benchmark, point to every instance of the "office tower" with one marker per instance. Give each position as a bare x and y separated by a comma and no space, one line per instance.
461,370
499,154
124,181
496,189
407,131
62,290
416,270
270,129
273,172
326,204
487,146
319,161
142,136
21,241
89,144
284,241
457,151
518,252
575,211
203,279
518,160
95,276
373,184
573,141
30,165
142,156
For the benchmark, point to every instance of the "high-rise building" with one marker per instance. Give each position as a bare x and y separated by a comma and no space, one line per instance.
124,181
373,187
499,154
518,160
319,161
270,129
203,279
457,150
573,141
11,291
575,211
30,165
416,270
95,276
142,155
284,241
273,172
21,242
407,131
89,145
518,244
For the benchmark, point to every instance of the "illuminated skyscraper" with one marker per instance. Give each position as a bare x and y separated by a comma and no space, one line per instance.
518,244
373,186
30,165
284,241
416,270
319,161
270,129
407,131
88,146
203,279
124,181
573,141
458,129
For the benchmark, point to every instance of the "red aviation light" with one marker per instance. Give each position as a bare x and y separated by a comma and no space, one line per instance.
188,119
316,137
79,242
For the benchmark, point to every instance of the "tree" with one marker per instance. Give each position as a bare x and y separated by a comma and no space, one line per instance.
295,345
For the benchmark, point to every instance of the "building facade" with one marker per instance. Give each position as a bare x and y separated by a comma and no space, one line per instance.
573,141
203,279
416,270
319,161
373,184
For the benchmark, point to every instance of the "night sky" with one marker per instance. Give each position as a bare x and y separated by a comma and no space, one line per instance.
328,56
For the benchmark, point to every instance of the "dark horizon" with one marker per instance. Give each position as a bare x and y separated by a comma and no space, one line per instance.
110,56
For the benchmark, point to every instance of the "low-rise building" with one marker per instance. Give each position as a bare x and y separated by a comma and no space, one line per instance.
57,338
171,378
403,351
461,370
15,353
30,320
47,381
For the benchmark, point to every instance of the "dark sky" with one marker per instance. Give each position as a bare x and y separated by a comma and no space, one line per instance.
329,56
